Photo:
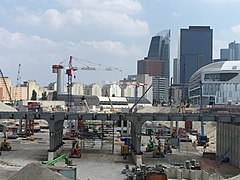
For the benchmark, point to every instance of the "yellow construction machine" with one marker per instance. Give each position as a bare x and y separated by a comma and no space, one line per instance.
5,146
158,151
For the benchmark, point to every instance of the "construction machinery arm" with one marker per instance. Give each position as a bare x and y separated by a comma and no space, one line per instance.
4,81
131,110
62,157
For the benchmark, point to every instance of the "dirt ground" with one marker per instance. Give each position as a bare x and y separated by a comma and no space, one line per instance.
98,164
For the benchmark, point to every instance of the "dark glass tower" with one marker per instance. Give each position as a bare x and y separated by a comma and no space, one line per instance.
195,52
160,49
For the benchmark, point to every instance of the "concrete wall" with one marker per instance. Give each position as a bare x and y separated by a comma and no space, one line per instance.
180,174
228,141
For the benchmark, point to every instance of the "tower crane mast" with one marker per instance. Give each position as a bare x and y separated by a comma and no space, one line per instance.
5,83
69,73
18,76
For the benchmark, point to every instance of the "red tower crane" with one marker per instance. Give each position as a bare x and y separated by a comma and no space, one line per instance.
69,71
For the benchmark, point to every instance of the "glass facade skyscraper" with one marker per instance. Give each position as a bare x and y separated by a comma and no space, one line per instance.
160,49
232,53
156,64
195,52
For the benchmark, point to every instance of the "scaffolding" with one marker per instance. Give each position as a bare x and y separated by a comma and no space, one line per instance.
96,134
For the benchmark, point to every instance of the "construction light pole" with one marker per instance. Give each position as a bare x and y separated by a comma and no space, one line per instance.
201,107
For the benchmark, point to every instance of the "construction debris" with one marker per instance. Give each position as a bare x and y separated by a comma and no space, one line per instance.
37,172
143,172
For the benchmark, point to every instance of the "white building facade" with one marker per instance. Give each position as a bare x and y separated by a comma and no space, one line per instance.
220,83
111,90
93,90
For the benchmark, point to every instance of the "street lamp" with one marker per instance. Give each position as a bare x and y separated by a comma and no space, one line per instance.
201,106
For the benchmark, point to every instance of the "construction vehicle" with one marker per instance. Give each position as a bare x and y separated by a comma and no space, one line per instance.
124,150
159,151
167,148
150,145
5,145
202,140
54,161
75,150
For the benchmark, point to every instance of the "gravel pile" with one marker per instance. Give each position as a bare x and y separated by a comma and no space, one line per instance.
235,178
34,171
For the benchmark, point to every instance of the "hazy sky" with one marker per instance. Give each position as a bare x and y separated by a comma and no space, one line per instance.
38,34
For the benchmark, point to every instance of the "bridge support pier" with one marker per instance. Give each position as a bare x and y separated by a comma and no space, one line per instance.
55,138
136,130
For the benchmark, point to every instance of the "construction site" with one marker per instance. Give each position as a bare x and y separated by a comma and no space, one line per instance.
105,138
97,149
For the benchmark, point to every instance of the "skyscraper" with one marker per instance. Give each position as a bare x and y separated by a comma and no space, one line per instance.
160,49
195,52
151,66
232,53
176,71
156,65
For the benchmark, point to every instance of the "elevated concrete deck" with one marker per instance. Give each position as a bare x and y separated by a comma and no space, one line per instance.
56,119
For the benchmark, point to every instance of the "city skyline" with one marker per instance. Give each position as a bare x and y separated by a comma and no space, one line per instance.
115,33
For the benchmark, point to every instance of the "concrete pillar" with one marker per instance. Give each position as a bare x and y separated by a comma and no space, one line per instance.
133,136
61,136
136,128
222,139
20,126
177,127
232,145
217,138
58,138
225,138
52,141
238,144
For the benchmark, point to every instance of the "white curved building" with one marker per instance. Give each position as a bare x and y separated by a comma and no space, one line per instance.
220,83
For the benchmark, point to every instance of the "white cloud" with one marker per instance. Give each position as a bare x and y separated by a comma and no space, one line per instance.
107,46
177,14
235,29
37,55
117,23
52,18
121,6
105,22
220,1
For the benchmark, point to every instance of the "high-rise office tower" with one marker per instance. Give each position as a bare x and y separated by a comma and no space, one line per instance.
176,71
156,64
160,49
151,66
195,52
232,53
